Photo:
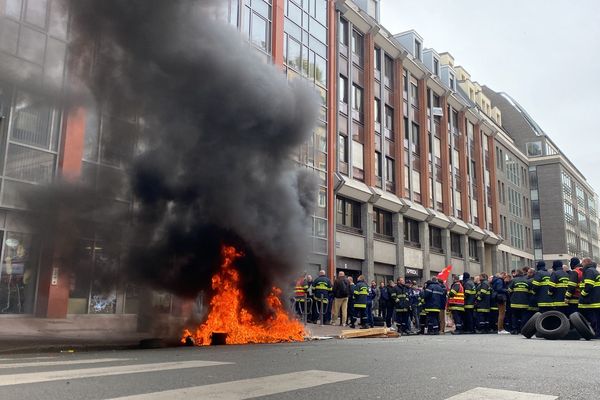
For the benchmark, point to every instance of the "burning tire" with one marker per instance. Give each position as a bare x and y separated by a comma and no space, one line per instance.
528,329
582,325
552,325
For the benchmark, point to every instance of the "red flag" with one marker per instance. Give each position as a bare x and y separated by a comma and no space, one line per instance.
443,276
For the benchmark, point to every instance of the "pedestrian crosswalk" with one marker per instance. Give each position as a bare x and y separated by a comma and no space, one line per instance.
72,369
481,393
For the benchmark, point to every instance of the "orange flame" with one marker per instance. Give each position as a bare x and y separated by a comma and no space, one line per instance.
227,314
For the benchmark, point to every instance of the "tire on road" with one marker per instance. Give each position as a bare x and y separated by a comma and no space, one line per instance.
528,329
582,325
552,325
572,335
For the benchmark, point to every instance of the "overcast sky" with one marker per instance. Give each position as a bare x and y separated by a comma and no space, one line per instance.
544,53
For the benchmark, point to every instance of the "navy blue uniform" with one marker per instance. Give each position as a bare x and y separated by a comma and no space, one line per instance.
435,301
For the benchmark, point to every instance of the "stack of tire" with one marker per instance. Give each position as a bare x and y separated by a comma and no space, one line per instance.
554,325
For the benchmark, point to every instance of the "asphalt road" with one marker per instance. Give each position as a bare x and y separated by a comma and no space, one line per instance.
415,367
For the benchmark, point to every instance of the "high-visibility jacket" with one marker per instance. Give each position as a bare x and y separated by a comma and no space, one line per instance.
560,284
300,290
435,297
573,292
542,283
470,294
456,297
532,300
590,288
483,299
361,291
401,298
322,288
520,293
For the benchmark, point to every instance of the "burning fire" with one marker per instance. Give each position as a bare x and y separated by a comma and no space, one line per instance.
228,316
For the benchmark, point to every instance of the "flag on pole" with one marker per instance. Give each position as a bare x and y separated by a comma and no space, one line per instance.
443,276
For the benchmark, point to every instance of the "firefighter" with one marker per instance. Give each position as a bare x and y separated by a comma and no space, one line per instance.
390,303
533,308
482,304
422,313
589,300
542,285
401,306
575,278
560,284
520,298
456,304
359,296
470,294
301,298
321,292
435,301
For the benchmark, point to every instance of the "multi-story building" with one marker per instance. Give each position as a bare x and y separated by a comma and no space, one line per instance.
563,204
515,224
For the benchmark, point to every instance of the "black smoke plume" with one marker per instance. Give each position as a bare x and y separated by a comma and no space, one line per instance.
213,134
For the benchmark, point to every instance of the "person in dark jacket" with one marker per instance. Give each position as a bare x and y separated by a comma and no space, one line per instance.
520,298
483,304
575,278
542,285
589,300
341,291
350,300
321,291
560,285
470,294
360,294
533,308
372,294
390,290
401,306
435,301
499,299
413,301
383,299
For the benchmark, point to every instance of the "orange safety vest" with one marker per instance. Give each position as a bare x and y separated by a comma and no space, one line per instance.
299,290
458,298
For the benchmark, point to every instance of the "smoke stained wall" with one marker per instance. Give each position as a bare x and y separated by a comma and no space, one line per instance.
209,162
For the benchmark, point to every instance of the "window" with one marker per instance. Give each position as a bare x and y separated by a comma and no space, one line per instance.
343,148
569,213
452,82
456,245
357,46
348,213
378,167
473,251
259,33
534,149
436,66
377,59
411,232
435,239
343,90
390,171
377,111
389,122
35,12
416,139
357,102
382,221
388,71
417,49
344,32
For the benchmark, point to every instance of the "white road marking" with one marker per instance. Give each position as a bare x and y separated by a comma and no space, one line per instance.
480,393
250,388
54,363
35,377
25,358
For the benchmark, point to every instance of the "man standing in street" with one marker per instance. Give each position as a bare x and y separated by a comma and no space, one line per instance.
541,288
589,301
483,304
350,300
435,301
383,299
371,301
575,278
401,306
321,292
560,285
413,302
341,291
520,297
470,294
361,291
391,303
456,304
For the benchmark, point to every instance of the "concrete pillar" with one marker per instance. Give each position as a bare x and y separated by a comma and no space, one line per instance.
368,268
398,227
424,238
465,248
481,254
446,246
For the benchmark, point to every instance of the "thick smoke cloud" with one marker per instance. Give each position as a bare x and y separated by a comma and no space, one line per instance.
216,130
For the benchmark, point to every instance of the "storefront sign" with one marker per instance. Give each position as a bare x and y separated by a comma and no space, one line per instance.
413,272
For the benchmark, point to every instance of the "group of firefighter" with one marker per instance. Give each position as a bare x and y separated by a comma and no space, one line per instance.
502,303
